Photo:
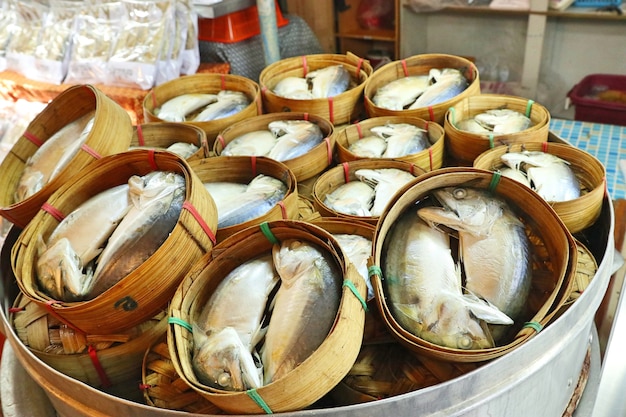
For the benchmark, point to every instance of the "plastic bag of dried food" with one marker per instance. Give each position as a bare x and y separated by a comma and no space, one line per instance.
170,60
93,40
20,52
133,62
53,49
7,27
191,52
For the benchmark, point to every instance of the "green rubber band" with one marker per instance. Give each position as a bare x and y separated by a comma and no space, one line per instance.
529,106
491,144
533,325
352,287
452,115
260,402
374,270
495,180
180,322
267,232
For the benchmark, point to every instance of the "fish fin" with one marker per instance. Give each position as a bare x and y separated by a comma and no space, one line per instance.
200,337
486,311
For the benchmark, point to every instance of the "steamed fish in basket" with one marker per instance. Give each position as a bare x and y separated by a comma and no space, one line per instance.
358,250
391,140
237,203
52,156
282,140
495,121
369,194
197,107
548,175
322,83
138,219
182,149
417,91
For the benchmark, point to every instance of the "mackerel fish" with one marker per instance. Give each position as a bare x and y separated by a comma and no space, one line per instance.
372,146
446,84
294,138
354,198
423,284
296,88
178,108
305,306
401,93
385,182
228,103
329,81
358,249
255,143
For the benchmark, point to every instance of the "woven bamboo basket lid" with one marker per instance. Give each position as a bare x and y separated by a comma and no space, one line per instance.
242,169
111,363
466,146
577,214
343,173
205,83
428,159
302,386
164,388
551,247
111,133
420,65
148,288
304,166
164,134
343,108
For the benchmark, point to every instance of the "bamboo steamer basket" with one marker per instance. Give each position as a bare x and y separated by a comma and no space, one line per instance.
243,169
302,386
147,289
420,65
111,133
552,249
164,134
343,108
428,159
164,388
205,83
577,214
466,146
111,363
304,166
343,173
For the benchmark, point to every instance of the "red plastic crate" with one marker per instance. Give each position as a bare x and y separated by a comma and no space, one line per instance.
236,26
600,98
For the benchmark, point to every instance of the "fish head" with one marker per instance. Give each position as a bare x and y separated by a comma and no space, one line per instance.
222,361
60,271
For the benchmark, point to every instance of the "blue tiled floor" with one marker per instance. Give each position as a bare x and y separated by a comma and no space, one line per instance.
605,142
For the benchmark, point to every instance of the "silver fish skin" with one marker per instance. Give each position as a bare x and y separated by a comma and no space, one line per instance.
260,196
472,126
156,203
183,149
256,143
222,361
372,146
423,284
358,249
405,144
305,306
178,108
503,121
228,103
400,93
515,174
329,81
550,176
447,84
294,138
52,156
296,88
494,247
353,198
386,182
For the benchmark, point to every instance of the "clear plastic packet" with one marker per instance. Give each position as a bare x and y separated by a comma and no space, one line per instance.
7,27
20,52
168,66
137,51
191,52
93,39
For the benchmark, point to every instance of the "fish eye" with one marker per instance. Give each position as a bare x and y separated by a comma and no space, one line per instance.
224,379
459,193
465,342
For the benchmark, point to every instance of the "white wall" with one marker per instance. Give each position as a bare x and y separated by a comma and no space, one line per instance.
572,48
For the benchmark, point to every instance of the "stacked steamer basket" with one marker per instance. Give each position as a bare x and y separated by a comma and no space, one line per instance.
305,166
427,159
419,65
579,213
243,169
552,249
187,137
147,289
339,109
110,133
464,146
301,386
204,83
